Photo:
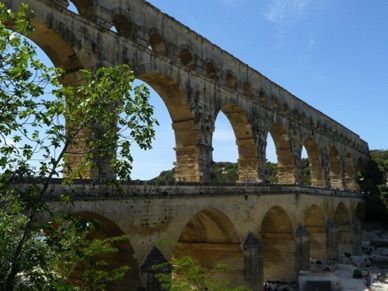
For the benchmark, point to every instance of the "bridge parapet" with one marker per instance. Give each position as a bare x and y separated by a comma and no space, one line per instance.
92,189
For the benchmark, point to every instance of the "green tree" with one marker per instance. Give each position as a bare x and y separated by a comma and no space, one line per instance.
37,134
188,274
305,172
271,172
374,182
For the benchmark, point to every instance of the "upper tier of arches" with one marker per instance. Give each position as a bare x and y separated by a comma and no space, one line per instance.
197,80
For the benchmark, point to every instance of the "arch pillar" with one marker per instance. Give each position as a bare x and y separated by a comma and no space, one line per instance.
302,250
332,239
193,159
247,162
253,262
326,168
286,174
77,151
297,157
352,184
356,240
261,147
193,163
351,179
150,268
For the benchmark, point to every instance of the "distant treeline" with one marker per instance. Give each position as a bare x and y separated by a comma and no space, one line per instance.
227,172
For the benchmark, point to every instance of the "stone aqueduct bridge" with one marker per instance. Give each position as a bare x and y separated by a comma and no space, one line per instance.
197,80
264,232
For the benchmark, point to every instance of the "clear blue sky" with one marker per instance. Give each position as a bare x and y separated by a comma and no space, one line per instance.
333,54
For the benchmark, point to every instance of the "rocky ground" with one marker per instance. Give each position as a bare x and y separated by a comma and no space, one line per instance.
373,265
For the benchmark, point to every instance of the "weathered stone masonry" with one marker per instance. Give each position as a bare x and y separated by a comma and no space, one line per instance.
266,232
197,80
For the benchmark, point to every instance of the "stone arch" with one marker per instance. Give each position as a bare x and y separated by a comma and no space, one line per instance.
186,134
157,43
350,173
85,8
210,70
314,157
247,152
211,238
284,155
230,80
122,24
314,223
342,221
279,245
61,51
335,168
106,228
285,108
186,57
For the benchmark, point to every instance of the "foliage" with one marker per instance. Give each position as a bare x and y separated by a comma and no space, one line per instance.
188,274
374,182
224,172
271,172
69,240
165,177
381,158
43,125
305,172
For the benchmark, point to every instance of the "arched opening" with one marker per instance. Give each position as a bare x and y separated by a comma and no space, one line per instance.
284,156
151,164
187,58
279,246
314,223
52,50
271,164
314,159
122,24
157,43
247,153
186,136
85,8
225,152
72,7
105,228
210,70
262,97
305,168
335,169
210,238
285,109
342,221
